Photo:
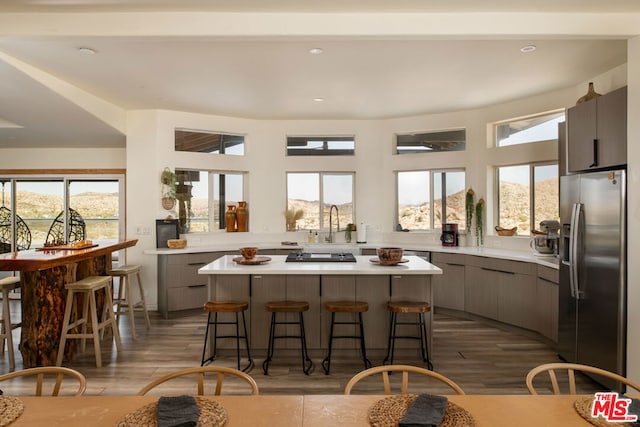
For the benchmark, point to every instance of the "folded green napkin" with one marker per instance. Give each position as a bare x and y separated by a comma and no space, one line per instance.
179,411
426,410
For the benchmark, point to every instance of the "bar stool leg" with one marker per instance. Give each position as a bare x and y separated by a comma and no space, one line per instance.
206,338
94,329
126,282
143,301
65,321
363,348
326,363
305,354
265,364
246,340
7,329
388,360
424,342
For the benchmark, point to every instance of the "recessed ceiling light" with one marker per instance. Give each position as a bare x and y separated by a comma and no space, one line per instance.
318,99
316,51
528,48
86,50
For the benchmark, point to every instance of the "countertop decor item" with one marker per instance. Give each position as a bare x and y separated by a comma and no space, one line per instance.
591,94
177,243
248,252
480,222
292,216
506,231
230,218
242,215
469,205
347,232
389,256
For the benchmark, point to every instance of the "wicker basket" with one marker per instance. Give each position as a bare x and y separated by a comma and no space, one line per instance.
177,243
506,231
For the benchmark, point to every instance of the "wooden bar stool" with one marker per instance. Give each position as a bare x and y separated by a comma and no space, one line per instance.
284,307
236,307
7,285
419,308
124,296
87,288
349,307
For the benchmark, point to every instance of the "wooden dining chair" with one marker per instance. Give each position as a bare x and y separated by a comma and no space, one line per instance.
385,370
61,375
569,369
199,372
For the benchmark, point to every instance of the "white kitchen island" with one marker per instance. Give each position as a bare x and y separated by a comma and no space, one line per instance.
320,282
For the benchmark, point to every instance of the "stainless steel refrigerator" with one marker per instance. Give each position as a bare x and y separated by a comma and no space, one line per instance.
592,305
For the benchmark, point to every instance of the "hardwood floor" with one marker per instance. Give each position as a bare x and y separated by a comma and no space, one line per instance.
481,357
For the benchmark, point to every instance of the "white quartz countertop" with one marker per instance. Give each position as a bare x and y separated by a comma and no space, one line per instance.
508,254
363,266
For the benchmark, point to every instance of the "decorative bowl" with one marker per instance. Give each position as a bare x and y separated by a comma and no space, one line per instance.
248,252
177,243
506,231
389,256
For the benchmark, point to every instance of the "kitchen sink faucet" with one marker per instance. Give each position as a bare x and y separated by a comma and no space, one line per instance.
329,238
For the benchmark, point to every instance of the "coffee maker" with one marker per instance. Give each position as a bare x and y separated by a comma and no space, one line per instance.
449,236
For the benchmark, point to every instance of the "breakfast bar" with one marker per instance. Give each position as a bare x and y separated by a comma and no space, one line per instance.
43,275
318,280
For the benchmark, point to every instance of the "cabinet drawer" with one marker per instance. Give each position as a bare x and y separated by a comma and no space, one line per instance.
549,274
187,297
445,258
502,265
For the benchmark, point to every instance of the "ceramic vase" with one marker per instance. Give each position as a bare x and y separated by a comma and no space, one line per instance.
230,218
242,216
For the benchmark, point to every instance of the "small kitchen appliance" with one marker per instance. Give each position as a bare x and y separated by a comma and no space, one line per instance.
449,235
546,241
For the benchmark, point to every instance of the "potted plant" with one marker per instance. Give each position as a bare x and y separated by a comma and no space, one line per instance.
168,180
480,222
469,207
292,216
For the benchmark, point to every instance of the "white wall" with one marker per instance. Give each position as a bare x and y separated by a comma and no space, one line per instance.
62,158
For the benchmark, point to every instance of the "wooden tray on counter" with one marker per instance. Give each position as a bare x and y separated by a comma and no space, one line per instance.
66,247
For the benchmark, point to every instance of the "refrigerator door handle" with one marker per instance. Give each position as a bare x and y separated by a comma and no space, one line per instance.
573,250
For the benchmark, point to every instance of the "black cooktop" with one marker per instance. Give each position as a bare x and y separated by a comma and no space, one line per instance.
320,257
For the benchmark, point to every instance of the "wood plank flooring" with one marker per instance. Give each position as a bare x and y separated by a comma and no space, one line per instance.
480,356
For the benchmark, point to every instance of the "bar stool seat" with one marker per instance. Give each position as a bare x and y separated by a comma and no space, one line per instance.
418,308
88,287
236,307
124,296
354,307
275,307
7,285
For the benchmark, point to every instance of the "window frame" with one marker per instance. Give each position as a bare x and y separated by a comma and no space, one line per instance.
532,204
426,134
495,125
325,151
443,189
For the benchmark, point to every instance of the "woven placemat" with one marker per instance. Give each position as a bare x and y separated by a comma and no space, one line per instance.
583,407
211,414
389,411
10,409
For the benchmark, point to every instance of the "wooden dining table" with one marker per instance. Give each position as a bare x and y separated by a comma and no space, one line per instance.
307,410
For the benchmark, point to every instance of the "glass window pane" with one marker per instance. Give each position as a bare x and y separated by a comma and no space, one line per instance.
98,203
413,200
455,196
545,193
208,142
514,191
431,142
320,146
38,203
528,130
303,198
199,220
337,190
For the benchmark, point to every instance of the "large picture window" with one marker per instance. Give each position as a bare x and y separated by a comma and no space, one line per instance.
527,194
427,198
202,197
311,195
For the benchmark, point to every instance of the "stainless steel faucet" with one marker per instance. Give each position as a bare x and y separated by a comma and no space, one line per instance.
330,237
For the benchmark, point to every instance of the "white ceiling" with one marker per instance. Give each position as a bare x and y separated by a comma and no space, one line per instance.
179,61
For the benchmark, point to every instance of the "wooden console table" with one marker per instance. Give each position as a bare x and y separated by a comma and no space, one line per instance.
43,274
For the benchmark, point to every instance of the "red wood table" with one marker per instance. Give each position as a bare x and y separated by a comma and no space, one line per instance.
43,274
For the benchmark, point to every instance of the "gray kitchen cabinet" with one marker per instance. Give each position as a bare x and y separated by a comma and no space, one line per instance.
448,288
597,132
265,288
180,287
503,290
547,302
374,290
